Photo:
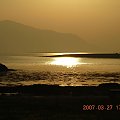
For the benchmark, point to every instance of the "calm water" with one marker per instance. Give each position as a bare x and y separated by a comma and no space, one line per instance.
33,69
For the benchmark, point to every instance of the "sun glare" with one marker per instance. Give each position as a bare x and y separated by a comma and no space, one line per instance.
65,61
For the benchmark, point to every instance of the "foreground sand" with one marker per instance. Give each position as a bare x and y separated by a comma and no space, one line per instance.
43,102
53,108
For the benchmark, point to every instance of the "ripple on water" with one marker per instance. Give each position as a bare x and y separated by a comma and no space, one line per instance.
20,77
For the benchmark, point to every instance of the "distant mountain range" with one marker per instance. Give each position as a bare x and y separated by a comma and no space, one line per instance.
19,38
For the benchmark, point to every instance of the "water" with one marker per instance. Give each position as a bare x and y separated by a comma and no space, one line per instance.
34,69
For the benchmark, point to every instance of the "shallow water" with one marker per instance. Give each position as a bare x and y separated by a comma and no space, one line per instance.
34,69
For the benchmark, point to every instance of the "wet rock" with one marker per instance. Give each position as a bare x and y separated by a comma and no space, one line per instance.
3,68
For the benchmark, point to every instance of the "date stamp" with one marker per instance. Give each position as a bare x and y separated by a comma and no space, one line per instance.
101,107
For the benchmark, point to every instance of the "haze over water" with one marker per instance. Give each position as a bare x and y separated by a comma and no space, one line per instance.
75,71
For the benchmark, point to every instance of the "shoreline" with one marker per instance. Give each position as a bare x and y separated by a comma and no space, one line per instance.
100,55
29,107
108,89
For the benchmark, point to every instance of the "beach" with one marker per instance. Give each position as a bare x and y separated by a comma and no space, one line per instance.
57,107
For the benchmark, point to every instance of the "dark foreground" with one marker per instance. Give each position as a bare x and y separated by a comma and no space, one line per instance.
51,103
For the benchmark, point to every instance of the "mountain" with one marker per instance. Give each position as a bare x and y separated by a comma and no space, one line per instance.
19,38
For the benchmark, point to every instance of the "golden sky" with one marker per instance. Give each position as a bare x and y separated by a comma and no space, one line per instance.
93,20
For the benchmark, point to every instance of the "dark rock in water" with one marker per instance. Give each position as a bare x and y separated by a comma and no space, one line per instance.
109,85
3,68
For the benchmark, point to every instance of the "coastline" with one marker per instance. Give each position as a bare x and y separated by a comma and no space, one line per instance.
83,106
41,95
95,55
51,102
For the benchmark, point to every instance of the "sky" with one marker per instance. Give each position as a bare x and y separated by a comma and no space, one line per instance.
95,21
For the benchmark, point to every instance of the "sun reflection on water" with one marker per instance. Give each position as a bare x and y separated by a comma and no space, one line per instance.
66,61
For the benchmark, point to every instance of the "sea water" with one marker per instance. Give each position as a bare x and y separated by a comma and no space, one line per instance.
36,68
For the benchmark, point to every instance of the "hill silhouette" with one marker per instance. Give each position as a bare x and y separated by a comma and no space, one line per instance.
19,38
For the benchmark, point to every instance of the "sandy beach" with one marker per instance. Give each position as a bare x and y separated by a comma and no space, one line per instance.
55,107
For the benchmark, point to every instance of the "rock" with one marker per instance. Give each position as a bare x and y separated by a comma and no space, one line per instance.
109,85
3,68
